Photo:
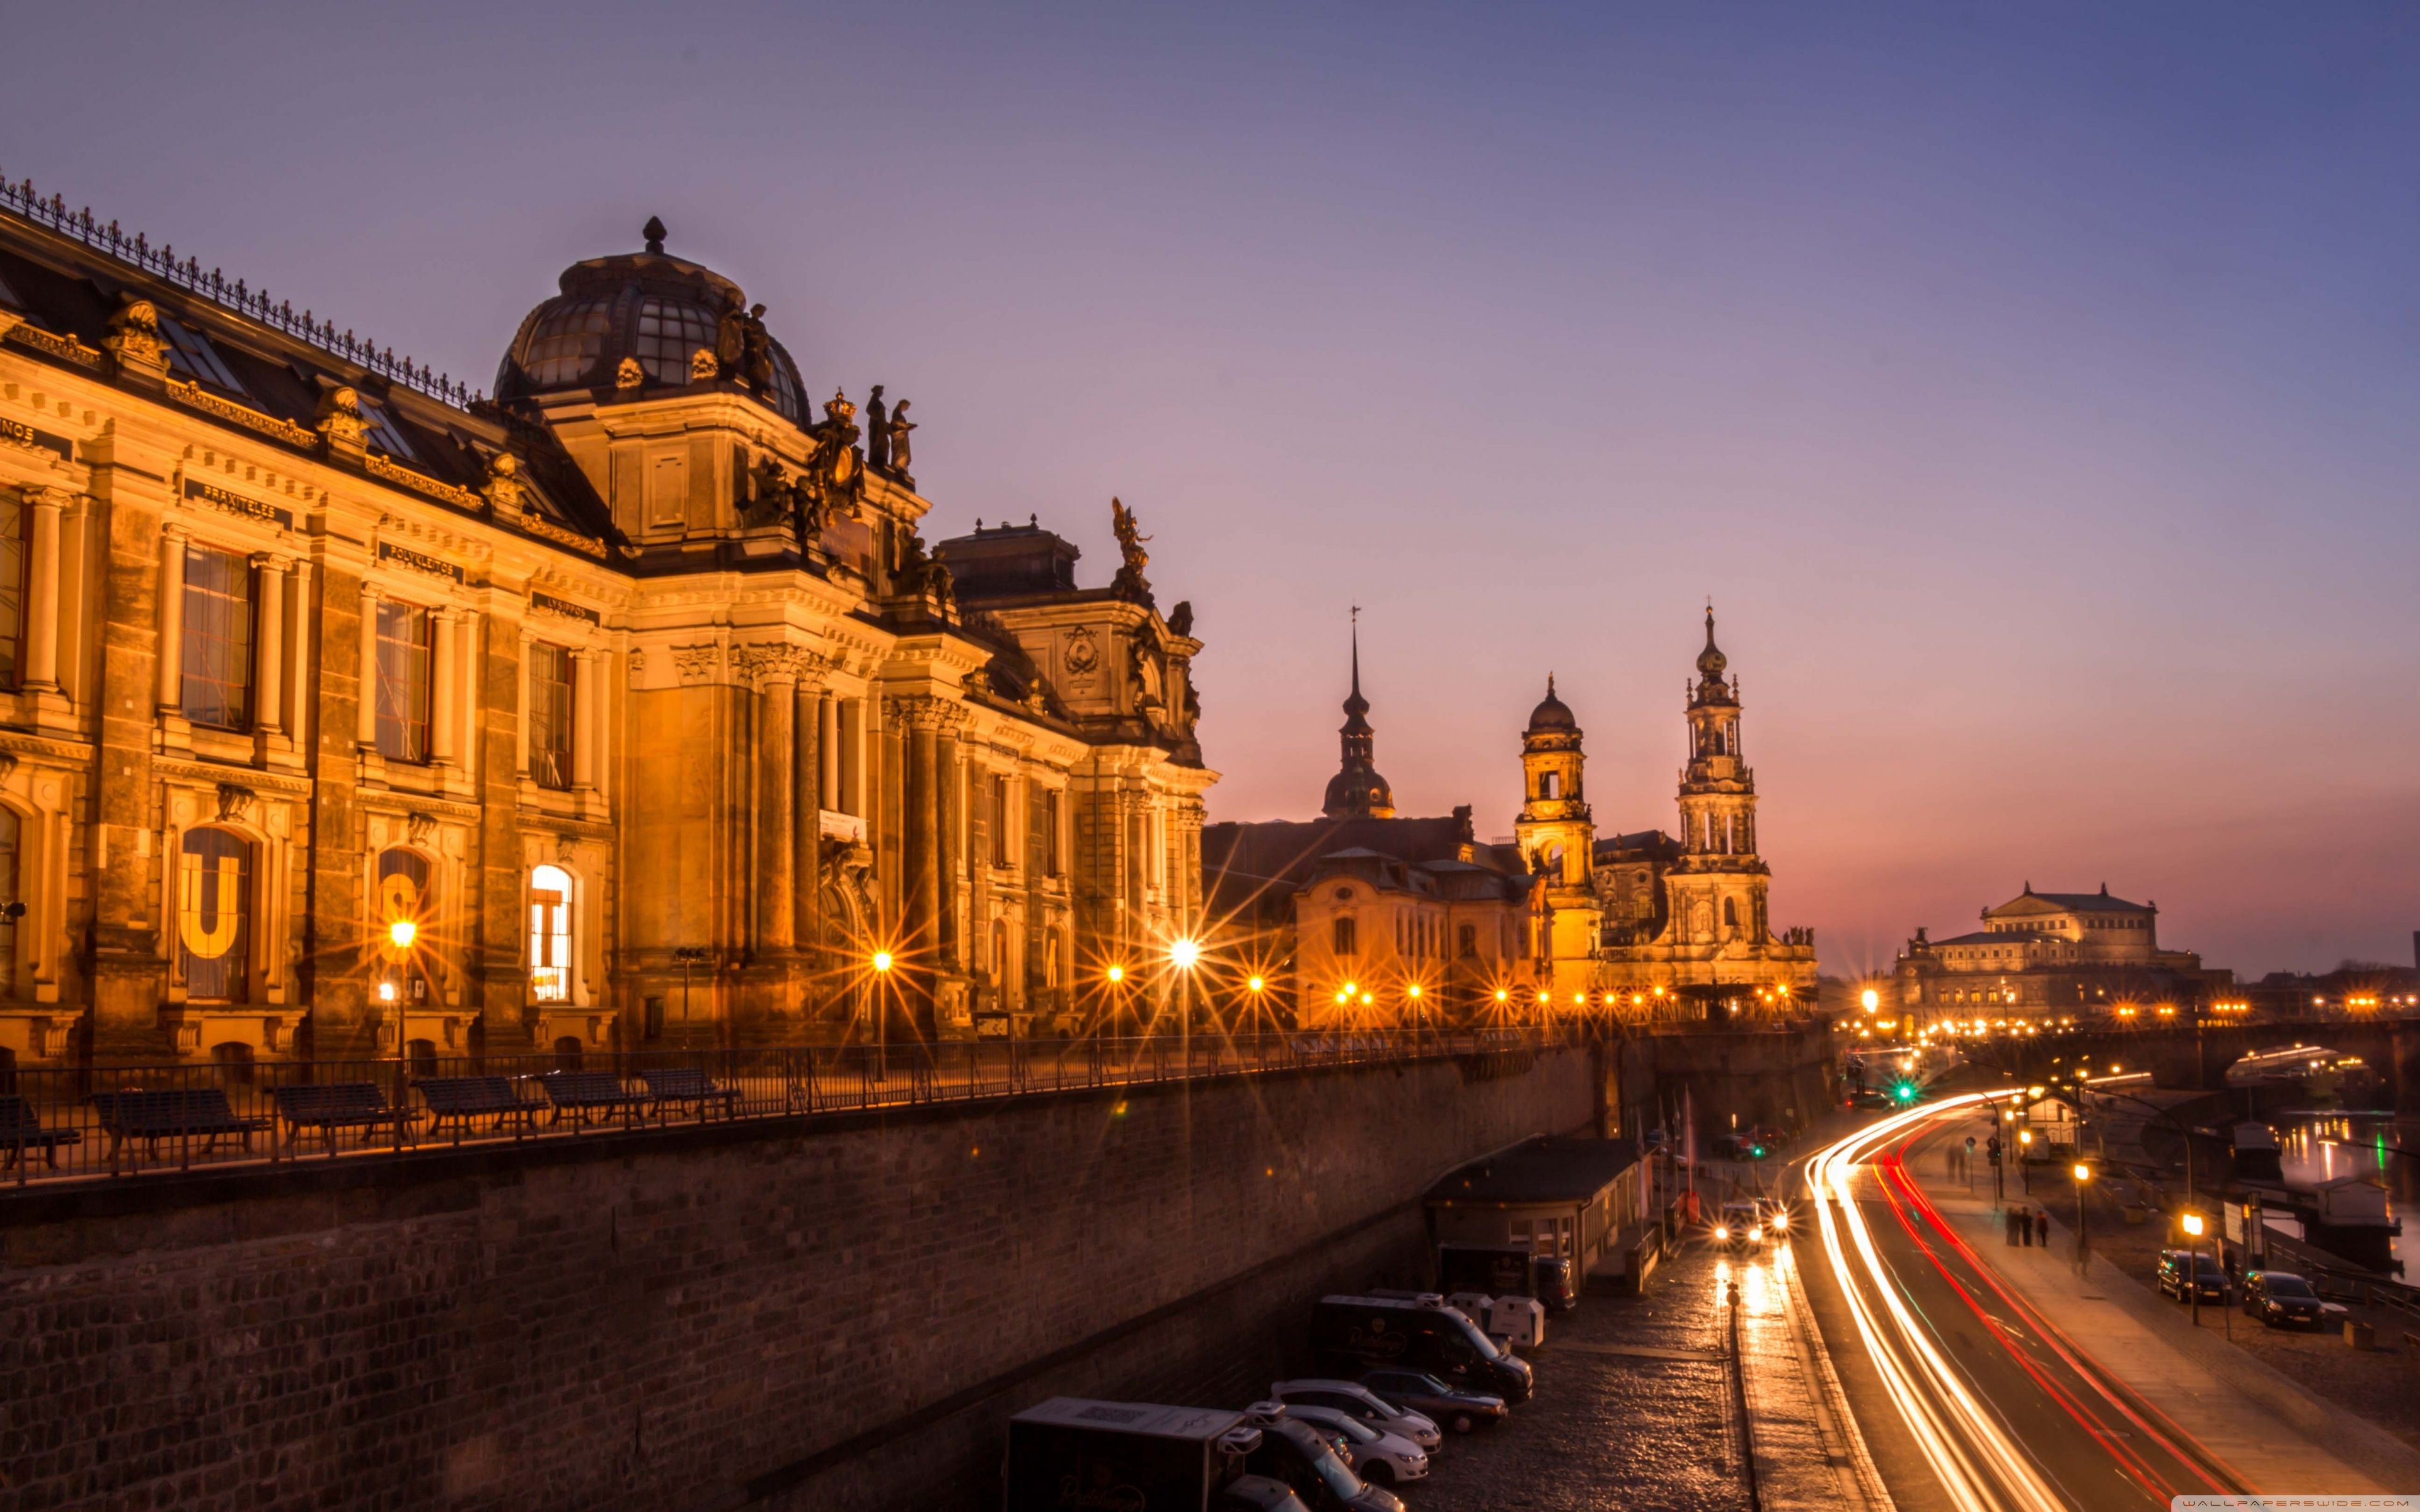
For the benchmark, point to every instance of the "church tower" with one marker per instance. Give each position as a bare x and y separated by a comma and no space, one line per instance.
1718,886
1556,836
1356,791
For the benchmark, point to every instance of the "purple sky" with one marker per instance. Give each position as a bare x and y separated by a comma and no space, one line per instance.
2033,388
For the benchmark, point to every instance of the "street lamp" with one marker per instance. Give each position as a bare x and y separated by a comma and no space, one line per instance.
2083,1174
689,956
2193,1226
1871,999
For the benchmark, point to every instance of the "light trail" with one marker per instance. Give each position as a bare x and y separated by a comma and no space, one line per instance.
1981,1467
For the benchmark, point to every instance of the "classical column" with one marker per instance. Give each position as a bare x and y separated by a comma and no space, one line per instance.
827,749
299,699
584,719
41,601
950,827
810,756
171,693
443,695
522,708
365,712
776,778
269,643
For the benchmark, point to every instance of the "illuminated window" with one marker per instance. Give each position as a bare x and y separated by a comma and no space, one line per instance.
216,689
551,716
8,896
670,333
550,944
213,909
566,344
404,659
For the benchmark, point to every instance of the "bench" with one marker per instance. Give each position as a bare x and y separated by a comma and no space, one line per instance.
583,1092
332,1106
464,1098
188,1113
22,1129
686,1083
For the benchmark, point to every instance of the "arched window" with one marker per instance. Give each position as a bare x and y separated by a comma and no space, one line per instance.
421,1056
233,1063
550,944
7,903
213,916
1347,940
1730,912
999,950
566,1053
403,891
1550,785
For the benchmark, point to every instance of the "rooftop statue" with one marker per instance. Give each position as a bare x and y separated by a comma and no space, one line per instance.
1130,582
877,431
895,440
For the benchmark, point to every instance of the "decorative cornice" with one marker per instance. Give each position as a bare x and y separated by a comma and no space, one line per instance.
214,775
193,394
779,661
922,710
67,349
546,530
378,465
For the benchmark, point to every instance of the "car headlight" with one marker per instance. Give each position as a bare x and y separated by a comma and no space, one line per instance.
1780,1220
1755,1233
1722,1233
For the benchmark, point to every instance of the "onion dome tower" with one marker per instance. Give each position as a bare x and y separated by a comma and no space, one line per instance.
1718,813
1356,791
1555,822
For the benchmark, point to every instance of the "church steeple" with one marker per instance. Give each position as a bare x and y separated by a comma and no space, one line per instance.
1356,791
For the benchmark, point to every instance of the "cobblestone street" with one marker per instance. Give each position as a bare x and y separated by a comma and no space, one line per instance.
1634,1410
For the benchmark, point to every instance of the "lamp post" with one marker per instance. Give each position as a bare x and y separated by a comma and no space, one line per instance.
2024,1168
2193,1226
1185,953
882,963
2083,1174
687,955
400,932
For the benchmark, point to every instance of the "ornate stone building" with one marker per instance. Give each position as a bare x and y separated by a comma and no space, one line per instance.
2052,955
1350,912
340,709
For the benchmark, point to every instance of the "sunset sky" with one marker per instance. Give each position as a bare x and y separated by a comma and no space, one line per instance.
2035,391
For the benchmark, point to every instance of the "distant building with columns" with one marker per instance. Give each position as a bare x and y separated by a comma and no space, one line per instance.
1356,908
2053,955
343,712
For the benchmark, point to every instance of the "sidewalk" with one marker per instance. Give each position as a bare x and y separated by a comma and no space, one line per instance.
2267,1427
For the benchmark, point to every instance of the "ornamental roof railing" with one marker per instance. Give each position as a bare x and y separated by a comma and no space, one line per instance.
20,198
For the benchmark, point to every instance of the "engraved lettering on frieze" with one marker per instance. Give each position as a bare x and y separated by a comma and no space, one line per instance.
404,556
17,433
236,503
548,603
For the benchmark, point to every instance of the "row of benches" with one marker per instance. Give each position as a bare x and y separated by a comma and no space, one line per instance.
205,1114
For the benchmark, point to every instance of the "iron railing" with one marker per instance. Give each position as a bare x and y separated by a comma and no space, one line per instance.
78,1125
253,304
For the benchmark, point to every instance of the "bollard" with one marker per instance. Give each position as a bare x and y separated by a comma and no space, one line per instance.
2360,1335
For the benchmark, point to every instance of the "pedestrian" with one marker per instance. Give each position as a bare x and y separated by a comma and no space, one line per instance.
2009,1226
2025,1228
2042,1229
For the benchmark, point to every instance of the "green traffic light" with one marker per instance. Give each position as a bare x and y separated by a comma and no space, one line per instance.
1756,1151
1905,1092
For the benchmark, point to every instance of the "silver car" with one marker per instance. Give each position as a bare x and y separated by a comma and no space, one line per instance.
1363,1405
1380,1457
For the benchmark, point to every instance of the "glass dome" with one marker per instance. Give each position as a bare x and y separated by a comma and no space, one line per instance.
649,307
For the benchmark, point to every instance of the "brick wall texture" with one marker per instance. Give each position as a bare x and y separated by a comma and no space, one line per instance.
828,1317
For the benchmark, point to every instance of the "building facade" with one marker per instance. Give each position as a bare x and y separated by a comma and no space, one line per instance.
1355,910
343,711
2052,955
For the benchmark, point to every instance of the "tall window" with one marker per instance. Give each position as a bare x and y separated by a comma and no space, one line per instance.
551,711
405,657
1000,853
214,913
1466,940
12,584
550,944
7,897
1347,938
217,688
1050,858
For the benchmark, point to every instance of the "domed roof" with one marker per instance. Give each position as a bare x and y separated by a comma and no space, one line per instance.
656,309
1710,661
1358,791
1552,716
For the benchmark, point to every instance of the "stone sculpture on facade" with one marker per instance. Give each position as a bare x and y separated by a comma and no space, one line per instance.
895,438
1129,583
877,432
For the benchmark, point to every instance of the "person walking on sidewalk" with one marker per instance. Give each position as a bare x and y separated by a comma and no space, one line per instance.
2042,1229
2025,1228
2009,1226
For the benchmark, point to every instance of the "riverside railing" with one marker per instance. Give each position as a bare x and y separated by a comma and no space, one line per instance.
98,1123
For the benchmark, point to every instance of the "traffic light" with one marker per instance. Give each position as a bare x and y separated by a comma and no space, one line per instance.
1755,1152
1903,1091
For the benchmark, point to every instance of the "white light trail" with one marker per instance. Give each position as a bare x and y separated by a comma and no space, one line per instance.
1979,1466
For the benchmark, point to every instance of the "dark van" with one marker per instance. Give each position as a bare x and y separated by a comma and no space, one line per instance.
1350,1335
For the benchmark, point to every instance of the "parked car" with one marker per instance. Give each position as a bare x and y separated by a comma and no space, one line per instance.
1352,1334
1866,1097
2281,1300
1378,1457
1738,1226
1361,1404
1420,1391
1298,1454
2208,1278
